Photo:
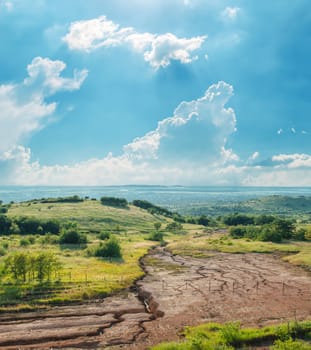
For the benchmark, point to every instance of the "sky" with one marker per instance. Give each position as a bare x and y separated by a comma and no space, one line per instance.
166,92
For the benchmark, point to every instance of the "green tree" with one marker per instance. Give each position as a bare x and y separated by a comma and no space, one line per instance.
17,266
157,225
45,265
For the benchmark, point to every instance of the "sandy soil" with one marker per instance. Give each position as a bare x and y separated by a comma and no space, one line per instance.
256,289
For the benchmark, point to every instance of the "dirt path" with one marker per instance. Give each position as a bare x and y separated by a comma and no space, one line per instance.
254,288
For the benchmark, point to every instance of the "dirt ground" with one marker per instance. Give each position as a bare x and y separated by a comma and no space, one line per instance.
257,289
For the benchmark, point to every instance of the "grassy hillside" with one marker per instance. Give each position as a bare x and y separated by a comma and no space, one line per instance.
89,214
82,275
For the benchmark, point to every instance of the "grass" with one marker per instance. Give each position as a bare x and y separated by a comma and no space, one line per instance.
90,215
203,246
213,336
81,276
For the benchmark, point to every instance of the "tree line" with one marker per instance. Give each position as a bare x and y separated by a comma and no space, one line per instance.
25,267
28,225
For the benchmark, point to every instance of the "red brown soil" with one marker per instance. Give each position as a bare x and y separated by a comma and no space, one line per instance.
256,289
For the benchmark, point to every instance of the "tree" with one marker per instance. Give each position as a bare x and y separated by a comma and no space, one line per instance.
284,227
114,202
5,224
157,225
17,265
22,265
203,220
174,226
45,264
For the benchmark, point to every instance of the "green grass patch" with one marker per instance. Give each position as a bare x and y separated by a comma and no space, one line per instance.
89,215
200,246
213,336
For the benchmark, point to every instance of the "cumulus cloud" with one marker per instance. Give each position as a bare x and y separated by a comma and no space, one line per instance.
159,156
189,148
23,106
207,118
158,50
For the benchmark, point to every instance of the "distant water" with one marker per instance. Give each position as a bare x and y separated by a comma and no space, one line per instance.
169,196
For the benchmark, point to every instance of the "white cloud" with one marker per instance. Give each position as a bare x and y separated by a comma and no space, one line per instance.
230,13
304,132
166,48
158,50
280,131
293,130
160,156
23,106
293,160
254,156
187,148
46,74
198,130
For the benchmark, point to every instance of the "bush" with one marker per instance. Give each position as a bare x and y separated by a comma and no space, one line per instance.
238,219
72,237
104,235
174,226
203,220
156,236
290,344
114,202
5,224
109,249
230,333
2,251
24,242
70,199
270,235
237,231
300,234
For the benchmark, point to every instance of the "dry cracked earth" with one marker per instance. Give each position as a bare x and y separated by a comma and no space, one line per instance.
256,289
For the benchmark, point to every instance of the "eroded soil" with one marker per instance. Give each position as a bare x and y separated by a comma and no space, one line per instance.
254,288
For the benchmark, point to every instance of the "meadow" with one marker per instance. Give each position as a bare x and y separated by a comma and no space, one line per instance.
81,276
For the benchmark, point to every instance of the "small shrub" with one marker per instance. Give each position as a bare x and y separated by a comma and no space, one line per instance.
104,235
156,236
299,235
290,344
174,226
230,333
72,237
109,249
2,251
24,242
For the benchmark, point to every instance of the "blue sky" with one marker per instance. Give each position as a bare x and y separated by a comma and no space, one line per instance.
155,92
